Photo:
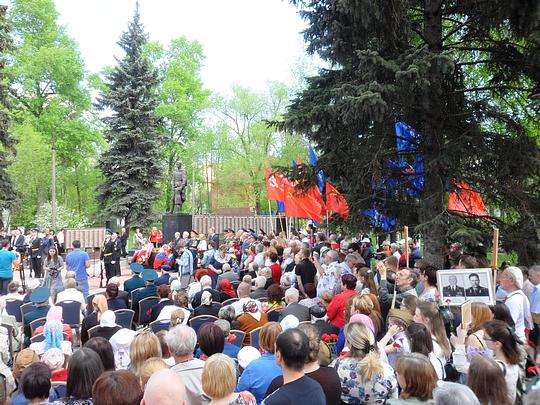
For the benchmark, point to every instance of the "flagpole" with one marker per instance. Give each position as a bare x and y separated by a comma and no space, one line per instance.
406,237
327,226
269,217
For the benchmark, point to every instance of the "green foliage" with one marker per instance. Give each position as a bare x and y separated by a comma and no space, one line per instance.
463,74
66,218
131,165
6,141
51,107
181,100
252,144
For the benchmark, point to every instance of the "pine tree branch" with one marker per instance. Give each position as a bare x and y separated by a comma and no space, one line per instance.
490,88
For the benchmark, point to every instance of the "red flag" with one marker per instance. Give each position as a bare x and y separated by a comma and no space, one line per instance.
465,201
274,185
302,205
335,202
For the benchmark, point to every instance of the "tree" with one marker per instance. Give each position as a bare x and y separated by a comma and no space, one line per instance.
131,166
49,95
181,99
463,74
252,143
6,141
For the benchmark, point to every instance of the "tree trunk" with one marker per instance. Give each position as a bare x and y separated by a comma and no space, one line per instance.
432,203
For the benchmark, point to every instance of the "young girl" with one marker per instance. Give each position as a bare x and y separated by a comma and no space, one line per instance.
52,267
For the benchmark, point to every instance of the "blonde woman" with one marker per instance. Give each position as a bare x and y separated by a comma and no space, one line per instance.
148,368
427,313
364,377
144,346
219,382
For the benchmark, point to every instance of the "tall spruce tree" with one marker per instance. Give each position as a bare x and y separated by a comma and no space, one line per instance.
6,141
464,74
131,165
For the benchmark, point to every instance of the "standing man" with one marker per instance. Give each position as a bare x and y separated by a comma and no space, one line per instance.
7,259
123,242
305,271
35,254
511,281
78,261
534,299
214,237
110,254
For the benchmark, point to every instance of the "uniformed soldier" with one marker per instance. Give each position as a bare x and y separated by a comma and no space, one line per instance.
35,254
149,290
136,281
40,297
165,276
110,254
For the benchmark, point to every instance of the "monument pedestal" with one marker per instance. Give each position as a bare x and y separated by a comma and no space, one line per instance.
176,222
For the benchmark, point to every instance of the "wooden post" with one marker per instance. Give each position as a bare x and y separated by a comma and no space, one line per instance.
406,238
495,256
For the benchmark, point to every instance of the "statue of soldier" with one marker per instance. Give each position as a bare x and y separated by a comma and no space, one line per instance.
179,182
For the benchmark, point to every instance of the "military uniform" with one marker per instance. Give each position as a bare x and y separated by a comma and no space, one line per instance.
164,279
133,283
110,254
477,292
148,291
35,256
39,296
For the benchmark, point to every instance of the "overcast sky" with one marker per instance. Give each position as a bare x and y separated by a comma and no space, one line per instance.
245,42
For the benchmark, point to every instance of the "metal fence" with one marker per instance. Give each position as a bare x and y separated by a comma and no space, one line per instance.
201,223
89,237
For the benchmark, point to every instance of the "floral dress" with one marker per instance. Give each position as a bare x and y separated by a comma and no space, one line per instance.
355,391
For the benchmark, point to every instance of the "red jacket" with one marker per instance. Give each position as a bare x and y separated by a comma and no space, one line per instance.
276,272
336,309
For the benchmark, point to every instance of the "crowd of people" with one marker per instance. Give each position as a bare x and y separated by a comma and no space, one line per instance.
251,318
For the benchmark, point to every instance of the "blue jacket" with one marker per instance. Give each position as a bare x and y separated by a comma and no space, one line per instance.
133,283
258,375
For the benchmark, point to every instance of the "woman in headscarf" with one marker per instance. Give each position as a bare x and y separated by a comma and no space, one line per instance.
206,307
107,325
100,306
56,314
55,359
227,290
251,319
54,338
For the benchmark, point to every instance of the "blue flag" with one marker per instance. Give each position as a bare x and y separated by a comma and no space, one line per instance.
312,156
280,206
320,174
406,138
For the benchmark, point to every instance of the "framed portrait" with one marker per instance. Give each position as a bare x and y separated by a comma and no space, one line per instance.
457,286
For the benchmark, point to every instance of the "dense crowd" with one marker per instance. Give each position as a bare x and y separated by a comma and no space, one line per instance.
250,318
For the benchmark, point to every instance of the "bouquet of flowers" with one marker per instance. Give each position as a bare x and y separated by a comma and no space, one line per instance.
330,340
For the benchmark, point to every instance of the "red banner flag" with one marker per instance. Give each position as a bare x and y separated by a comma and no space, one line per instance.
274,184
466,202
302,205
335,202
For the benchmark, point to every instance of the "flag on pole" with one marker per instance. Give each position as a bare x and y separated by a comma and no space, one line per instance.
466,201
302,205
335,202
274,185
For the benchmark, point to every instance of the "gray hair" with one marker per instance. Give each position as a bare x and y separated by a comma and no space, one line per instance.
259,248
285,280
515,274
291,295
333,255
394,247
226,267
224,325
260,282
449,393
181,340
267,272
287,251
227,312
206,281
534,269
352,258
